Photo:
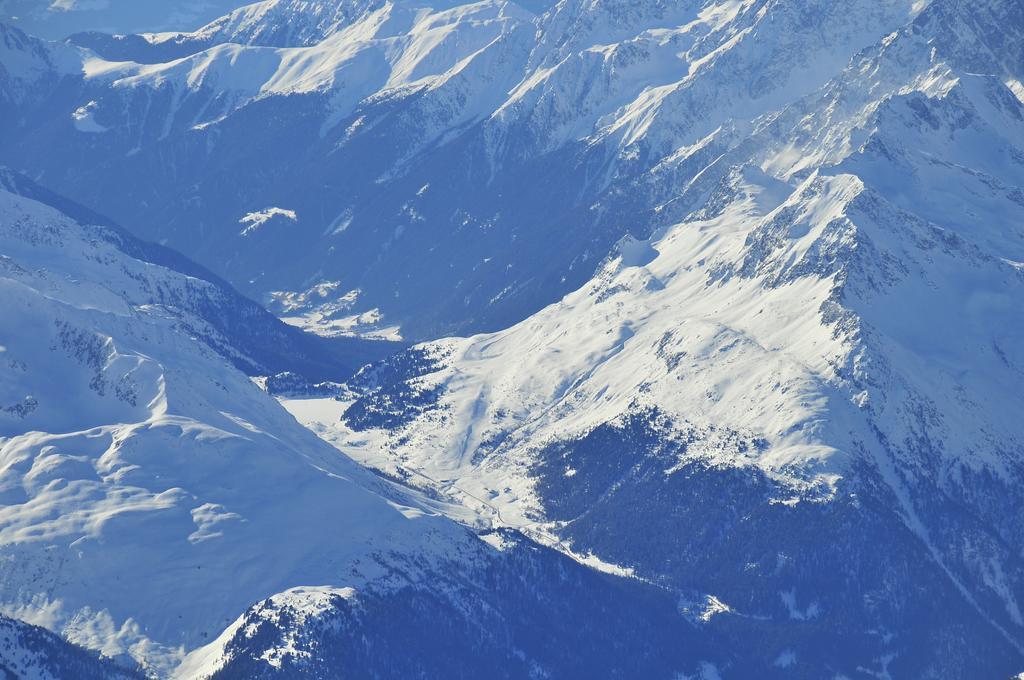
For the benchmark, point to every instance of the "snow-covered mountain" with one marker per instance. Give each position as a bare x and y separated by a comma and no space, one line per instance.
801,393
744,278
158,507
137,463
490,152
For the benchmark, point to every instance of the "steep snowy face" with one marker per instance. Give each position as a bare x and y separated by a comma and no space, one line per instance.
453,143
819,344
292,23
379,50
657,77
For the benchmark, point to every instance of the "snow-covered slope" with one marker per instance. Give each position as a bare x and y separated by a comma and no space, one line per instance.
156,506
486,151
150,489
801,393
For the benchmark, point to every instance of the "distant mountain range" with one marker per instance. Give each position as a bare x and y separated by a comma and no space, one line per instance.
57,19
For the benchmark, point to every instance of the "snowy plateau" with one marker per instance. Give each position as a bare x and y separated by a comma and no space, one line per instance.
512,339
